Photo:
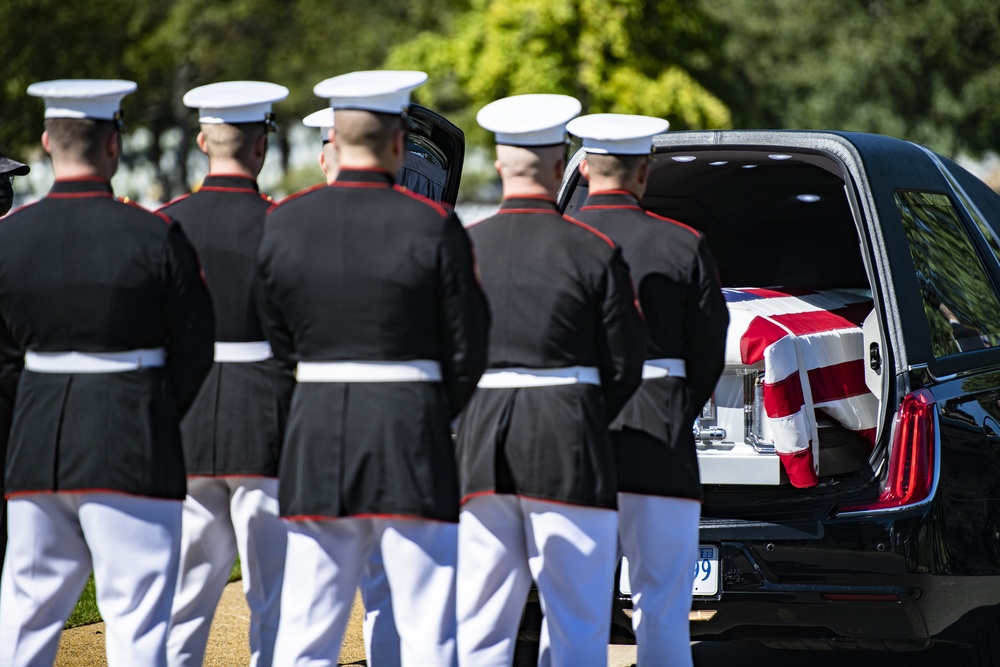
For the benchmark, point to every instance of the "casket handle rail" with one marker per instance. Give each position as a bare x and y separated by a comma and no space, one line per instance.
753,408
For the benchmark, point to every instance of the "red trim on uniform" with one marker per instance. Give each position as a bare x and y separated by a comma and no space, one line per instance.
527,210
617,191
296,195
675,222
222,174
591,230
173,201
165,218
79,195
374,515
217,188
799,468
477,494
426,200
18,494
378,170
359,184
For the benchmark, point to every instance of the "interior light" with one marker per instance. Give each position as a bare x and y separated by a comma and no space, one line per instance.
749,166
719,163
809,199
780,156
683,158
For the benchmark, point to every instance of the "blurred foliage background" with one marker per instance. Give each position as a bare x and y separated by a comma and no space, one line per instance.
923,70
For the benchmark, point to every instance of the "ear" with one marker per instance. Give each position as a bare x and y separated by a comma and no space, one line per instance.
643,175
113,145
496,165
45,141
585,169
333,137
202,143
399,142
559,169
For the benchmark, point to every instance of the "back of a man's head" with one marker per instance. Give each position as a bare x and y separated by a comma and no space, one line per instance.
621,168
225,141
79,140
369,131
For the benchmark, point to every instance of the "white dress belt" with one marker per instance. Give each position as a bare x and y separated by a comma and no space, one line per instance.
93,362
233,353
418,370
504,378
661,368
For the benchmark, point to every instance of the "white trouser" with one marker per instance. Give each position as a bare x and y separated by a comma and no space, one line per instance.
224,516
379,628
504,542
55,539
659,536
323,569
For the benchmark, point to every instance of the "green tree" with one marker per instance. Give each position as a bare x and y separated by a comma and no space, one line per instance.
924,70
627,56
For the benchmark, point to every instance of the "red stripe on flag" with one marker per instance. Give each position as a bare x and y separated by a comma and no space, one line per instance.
799,468
775,294
839,381
757,337
817,321
783,398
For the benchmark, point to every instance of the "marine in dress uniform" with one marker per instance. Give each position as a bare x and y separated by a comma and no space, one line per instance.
536,467
232,433
106,331
659,499
371,292
8,170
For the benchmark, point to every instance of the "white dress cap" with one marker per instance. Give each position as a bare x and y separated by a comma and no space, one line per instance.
98,99
617,134
323,119
381,91
529,120
234,101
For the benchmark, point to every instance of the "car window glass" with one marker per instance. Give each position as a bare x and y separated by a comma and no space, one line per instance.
960,303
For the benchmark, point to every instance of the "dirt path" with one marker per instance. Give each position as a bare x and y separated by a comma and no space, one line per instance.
227,642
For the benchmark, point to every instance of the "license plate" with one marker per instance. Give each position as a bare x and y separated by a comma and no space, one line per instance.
706,573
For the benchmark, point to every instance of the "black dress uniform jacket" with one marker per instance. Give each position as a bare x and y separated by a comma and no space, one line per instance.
561,296
82,272
362,271
237,421
686,318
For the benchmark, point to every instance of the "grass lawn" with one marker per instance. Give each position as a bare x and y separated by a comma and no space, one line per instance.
86,611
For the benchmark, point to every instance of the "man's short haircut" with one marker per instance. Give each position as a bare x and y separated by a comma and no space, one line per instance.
529,161
232,141
78,139
618,167
367,129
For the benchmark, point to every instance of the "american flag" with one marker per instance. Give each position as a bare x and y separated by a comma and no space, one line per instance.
800,334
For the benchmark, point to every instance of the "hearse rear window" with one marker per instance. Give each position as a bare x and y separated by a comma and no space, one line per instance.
960,302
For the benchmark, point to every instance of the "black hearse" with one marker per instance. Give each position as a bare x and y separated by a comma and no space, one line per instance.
897,546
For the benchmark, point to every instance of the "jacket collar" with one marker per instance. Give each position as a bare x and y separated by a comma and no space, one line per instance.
611,198
229,182
528,204
373,176
81,187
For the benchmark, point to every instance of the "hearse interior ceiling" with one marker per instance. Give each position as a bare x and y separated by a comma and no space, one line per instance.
771,218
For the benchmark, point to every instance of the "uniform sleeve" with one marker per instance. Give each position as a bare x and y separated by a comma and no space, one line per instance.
272,318
189,317
622,336
465,316
11,365
705,324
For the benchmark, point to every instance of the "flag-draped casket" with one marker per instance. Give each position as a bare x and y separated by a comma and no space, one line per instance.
795,360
